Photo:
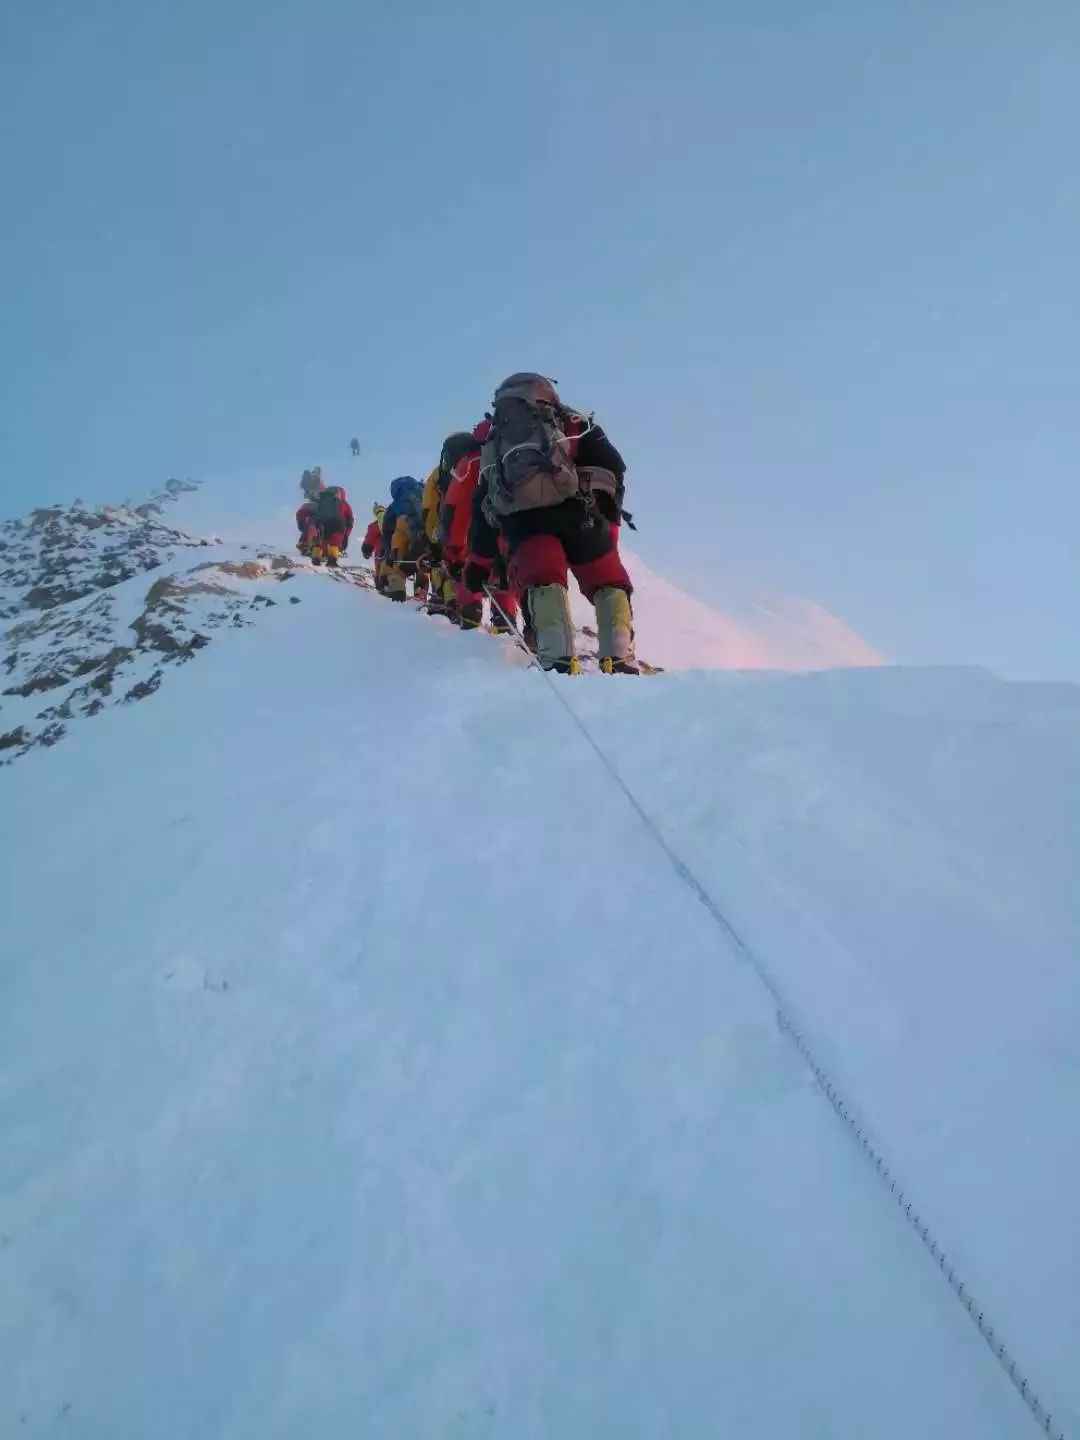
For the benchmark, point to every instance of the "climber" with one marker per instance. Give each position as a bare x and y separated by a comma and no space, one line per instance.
555,486
372,547
311,485
403,538
443,598
333,520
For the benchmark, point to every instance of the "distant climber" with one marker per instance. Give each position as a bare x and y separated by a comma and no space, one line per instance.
554,489
354,446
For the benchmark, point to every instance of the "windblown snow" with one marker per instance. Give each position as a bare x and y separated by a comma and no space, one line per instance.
367,1069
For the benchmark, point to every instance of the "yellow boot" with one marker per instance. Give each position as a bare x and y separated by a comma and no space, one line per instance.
333,555
549,610
316,554
615,631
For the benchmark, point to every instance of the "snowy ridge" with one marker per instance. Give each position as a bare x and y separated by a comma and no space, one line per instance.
87,631
676,630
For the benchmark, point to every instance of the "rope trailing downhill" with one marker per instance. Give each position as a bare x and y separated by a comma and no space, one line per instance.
957,1285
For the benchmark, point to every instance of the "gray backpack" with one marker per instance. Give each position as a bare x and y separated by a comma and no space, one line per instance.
528,458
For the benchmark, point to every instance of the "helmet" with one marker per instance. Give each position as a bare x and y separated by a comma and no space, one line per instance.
378,510
527,385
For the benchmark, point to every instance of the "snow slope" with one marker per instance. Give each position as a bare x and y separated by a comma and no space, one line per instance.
367,1069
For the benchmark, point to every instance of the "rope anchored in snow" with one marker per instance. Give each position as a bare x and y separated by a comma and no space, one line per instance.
956,1284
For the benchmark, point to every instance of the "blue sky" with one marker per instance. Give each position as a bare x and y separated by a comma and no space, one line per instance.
816,268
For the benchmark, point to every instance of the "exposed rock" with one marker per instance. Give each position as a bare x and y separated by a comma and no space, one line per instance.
144,688
49,681
90,626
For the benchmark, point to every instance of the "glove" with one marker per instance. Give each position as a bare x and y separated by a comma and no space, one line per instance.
423,564
475,577
435,550
365,551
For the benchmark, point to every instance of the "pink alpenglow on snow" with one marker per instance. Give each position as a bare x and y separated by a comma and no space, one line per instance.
680,632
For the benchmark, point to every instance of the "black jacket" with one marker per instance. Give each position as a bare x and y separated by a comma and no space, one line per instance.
594,448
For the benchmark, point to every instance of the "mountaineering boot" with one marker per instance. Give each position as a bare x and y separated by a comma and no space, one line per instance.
316,554
549,611
615,631
471,617
565,667
442,598
333,555
395,582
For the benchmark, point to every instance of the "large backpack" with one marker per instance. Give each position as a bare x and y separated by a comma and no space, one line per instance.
328,507
528,459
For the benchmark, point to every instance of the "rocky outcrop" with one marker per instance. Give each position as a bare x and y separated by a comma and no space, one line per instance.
88,627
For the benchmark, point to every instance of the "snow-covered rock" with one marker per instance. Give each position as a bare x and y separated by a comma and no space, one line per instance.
98,604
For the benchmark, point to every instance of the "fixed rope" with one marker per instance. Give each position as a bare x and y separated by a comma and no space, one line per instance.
998,1348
